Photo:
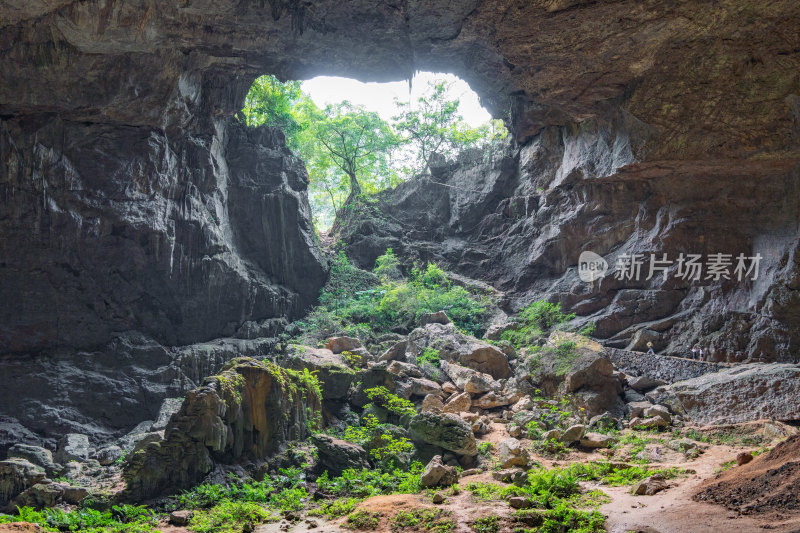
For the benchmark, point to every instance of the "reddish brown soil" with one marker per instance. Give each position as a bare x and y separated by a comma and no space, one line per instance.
768,484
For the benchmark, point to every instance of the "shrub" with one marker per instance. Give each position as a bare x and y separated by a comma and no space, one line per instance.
229,517
434,520
430,356
534,320
381,397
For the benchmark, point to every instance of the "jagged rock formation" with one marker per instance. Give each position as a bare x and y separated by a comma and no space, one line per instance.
245,413
131,201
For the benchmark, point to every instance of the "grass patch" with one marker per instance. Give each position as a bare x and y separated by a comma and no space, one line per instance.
368,305
362,520
230,517
432,520
486,524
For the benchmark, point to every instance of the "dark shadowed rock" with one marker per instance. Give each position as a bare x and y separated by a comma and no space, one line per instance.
336,455
246,412
16,476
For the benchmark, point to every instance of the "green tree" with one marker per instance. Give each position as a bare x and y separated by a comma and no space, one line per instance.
273,102
359,145
433,125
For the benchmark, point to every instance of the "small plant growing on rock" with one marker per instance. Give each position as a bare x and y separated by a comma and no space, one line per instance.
381,397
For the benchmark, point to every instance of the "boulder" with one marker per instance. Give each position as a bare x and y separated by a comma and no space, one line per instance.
403,370
449,388
445,430
336,455
73,447
41,495
648,423
73,495
437,473
738,394
338,345
524,404
458,403
658,410
432,402
469,380
396,352
637,408
494,331
644,383
597,440
553,434
594,385
490,400
108,455
510,475
604,421
16,476
423,387
520,502
511,453
515,431
439,317
335,375
455,347
438,498
649,486
247,412
631,395
573,434
180,518
35,454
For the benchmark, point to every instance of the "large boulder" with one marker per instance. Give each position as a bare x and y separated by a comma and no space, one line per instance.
16,476
338,345
511,453
73,447
454,346
490,400
334,374
738,394
35,454
458,403
437,473
336,455
445,430
245,413
592,382
469,380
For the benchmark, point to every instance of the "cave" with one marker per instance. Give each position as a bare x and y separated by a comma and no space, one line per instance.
147,237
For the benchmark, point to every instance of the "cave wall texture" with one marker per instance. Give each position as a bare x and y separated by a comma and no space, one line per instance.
137,215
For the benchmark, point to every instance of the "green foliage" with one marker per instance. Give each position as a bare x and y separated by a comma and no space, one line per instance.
486,524
433,125
358,303
122,519
229,517
615,475
534,321
484,491
336,508
272,102
433,520
485,448
362,519
292,499
365,483
381,397
429,355
387,266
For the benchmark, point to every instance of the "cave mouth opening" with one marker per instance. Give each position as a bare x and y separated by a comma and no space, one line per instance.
359,138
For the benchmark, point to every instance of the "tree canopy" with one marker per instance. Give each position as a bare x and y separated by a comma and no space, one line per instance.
350,151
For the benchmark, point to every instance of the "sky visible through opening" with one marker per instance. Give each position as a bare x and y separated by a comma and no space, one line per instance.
379,97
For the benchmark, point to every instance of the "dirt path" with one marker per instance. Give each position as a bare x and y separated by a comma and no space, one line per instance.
673,511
